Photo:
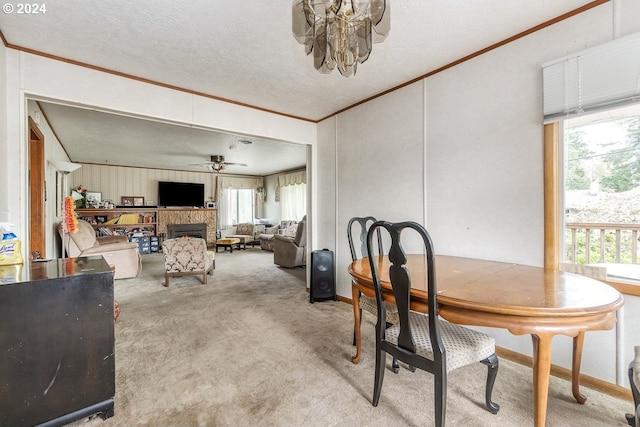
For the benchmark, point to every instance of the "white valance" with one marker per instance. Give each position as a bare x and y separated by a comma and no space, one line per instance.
234,182
292,178
225,182
602,77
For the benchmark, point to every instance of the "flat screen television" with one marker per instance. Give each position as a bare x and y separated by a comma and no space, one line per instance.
180,194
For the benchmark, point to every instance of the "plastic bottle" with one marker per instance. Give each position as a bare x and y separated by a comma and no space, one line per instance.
10,252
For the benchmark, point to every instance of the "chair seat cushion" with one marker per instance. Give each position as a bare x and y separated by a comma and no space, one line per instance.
463,346
369,304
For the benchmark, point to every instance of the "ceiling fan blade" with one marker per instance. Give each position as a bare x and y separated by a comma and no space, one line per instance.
234,164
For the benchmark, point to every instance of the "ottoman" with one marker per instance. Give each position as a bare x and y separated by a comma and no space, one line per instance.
227,243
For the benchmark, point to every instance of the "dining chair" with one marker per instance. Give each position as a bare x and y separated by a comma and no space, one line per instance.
633,419
366,302
424,341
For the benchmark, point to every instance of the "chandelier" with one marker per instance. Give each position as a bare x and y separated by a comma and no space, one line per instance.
340,32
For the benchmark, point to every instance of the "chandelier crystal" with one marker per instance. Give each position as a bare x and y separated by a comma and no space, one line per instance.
340,32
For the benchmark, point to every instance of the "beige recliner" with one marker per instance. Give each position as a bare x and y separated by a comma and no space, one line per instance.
116,250
291,251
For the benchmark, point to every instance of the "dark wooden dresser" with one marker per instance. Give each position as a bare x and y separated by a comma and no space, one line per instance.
57,360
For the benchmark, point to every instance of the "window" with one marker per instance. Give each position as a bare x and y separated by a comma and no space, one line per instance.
238,205
598,185
592,159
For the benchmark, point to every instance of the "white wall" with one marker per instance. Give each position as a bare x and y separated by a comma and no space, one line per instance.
380,166
485,158
324,181
5,182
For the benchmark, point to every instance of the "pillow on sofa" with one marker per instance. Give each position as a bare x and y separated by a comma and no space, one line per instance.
291,231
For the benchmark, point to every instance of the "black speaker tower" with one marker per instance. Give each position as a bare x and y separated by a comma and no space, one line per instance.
323,283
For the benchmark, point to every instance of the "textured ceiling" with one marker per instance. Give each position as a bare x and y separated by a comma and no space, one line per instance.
244,50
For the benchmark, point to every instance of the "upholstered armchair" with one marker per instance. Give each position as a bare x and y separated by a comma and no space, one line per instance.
187,256
244,232
116,250
288,251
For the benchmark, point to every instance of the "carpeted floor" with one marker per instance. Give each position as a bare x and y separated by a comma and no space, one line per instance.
249,349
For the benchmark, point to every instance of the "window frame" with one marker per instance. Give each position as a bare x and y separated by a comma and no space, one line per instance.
253,204
553,222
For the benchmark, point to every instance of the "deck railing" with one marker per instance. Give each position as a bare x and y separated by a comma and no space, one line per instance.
607,243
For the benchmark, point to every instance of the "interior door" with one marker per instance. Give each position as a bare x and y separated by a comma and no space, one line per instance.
37,197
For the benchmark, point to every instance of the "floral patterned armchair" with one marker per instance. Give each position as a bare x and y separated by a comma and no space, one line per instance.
187,256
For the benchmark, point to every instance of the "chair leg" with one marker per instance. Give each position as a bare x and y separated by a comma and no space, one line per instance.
632,418
440,395
166,280
381,357
492,364
395,366
357,316
360,326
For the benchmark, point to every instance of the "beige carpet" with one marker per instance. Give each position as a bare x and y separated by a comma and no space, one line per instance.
249,349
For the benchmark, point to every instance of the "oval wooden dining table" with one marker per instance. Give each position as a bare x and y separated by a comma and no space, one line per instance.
522,299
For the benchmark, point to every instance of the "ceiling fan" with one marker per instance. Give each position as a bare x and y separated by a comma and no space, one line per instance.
217,163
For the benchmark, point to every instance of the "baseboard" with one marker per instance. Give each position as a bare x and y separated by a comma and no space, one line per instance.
564,373
557,371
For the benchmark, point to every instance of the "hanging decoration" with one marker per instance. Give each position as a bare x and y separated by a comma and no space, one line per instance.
69,220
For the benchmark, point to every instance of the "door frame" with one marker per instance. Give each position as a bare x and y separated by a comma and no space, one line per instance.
37,191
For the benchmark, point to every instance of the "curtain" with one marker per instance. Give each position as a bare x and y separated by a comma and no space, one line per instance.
293,202
293,178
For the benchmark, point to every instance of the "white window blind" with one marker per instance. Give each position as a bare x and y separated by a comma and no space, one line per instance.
602,77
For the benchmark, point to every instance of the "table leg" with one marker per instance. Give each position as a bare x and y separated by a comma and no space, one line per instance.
578,341
541,370
355,295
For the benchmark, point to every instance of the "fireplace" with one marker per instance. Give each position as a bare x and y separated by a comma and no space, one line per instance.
190,230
